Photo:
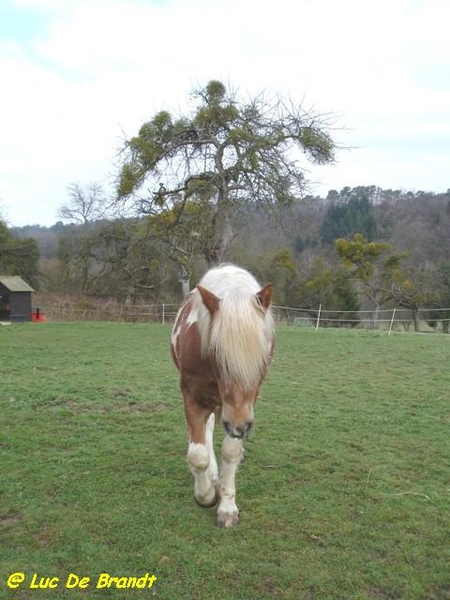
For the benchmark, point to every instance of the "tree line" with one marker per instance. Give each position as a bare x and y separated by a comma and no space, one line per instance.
360,248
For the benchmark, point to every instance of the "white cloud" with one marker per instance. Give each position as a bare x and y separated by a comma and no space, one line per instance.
97,69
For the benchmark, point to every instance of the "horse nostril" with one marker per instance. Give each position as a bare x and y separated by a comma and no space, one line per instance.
246,429
238,431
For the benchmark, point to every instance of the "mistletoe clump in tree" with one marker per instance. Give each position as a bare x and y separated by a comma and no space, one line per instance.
191,173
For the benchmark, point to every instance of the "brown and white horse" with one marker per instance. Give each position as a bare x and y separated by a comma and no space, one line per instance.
222,343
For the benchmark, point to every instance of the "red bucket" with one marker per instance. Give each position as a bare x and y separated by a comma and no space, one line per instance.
37,316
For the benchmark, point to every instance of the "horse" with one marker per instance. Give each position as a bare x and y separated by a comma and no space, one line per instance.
222,343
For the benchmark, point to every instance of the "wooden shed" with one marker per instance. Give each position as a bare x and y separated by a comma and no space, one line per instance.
15,299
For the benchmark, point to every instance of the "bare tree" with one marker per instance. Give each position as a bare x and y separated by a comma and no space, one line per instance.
87,203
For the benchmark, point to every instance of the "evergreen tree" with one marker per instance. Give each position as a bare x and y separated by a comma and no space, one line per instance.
343,220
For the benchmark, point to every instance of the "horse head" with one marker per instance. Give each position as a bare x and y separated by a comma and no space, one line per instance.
240,347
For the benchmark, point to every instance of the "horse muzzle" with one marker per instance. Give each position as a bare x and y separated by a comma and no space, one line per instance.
237,431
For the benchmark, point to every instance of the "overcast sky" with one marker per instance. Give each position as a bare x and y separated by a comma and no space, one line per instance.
78,76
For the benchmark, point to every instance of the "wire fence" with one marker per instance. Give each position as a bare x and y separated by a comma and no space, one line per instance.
391,319
111,311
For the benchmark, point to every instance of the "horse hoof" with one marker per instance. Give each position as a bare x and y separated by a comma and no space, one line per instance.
227,520
207,503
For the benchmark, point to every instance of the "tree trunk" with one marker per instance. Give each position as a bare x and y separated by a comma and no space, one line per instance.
226,236
185,281
376,308
130,295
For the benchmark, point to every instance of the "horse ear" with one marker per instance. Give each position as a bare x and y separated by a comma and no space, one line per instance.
210,300
264,296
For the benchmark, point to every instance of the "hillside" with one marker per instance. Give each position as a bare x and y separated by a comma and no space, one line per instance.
129,260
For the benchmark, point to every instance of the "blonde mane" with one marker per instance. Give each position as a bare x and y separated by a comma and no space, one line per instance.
241,333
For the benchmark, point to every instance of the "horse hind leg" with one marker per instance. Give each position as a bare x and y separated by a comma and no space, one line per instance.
203,465
209,443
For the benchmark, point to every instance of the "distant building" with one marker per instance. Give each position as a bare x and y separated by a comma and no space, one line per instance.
15,299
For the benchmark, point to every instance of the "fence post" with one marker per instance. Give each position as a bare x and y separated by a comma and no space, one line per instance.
392,320
318,317
163,313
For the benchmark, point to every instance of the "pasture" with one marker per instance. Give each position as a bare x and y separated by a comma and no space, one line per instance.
344,493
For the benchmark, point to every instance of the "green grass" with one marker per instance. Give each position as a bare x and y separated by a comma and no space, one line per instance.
344,493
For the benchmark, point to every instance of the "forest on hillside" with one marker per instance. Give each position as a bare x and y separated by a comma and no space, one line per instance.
359,248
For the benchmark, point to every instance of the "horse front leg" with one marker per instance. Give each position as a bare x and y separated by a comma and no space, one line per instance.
228,513
201,457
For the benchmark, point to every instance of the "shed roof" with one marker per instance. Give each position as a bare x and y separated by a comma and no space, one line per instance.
13,283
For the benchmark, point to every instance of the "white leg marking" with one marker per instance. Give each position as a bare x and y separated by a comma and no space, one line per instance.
209,441
227,513
199,463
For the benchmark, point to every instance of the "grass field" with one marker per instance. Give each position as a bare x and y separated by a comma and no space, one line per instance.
344,493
